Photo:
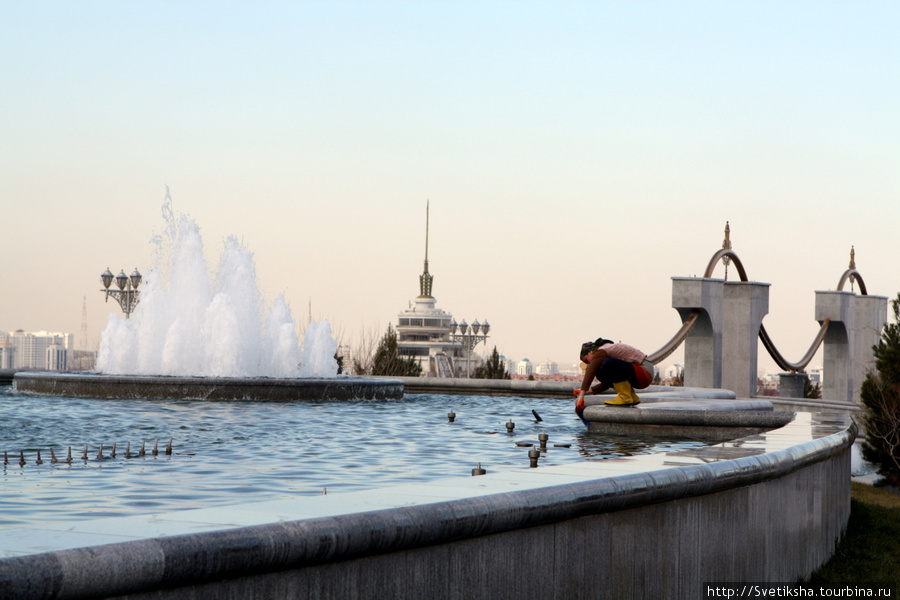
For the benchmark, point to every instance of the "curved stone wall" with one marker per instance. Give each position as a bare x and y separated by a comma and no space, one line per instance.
768,507
94,385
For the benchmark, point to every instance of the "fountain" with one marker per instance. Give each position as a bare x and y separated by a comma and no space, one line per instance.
196,336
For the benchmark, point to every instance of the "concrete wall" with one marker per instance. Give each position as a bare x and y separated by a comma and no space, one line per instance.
743,309
273,389
703,347
663,533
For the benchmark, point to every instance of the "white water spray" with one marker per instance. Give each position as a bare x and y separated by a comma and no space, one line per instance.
188,324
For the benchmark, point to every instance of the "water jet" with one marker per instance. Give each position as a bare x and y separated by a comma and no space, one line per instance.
193,335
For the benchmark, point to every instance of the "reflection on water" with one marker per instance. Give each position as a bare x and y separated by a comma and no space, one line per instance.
239,451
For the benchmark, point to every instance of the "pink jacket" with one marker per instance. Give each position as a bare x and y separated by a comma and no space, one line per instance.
624,352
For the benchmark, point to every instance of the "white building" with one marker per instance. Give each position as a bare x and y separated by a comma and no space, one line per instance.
547,367
424,333
673,370
815,375
31,349
56,358
509,364
7,354
524,367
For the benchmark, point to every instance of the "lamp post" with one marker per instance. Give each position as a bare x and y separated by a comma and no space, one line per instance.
127,295
469,336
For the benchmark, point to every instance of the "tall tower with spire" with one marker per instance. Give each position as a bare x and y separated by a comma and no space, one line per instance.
423,330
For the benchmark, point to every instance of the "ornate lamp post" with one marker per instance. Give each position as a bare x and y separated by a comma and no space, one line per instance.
469,336
127,295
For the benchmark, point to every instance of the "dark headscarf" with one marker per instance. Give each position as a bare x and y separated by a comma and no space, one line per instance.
589,347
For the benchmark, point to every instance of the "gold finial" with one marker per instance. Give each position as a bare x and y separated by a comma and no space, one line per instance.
852,258
726,245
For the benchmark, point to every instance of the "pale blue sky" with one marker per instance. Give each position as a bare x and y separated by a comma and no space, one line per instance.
576,155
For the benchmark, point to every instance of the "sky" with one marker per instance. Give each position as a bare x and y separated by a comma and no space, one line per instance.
576,156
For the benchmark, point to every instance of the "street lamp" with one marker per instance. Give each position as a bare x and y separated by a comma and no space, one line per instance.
469,336
127,295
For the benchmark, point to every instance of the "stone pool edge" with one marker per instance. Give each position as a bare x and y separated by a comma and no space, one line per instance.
723,521
97,385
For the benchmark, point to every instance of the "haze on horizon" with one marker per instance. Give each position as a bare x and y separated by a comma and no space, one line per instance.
576,156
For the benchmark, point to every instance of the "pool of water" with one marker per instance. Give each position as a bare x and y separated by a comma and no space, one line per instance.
237,451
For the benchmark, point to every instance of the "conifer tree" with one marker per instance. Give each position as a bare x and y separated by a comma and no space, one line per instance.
493,368
388,362
810,389
880,394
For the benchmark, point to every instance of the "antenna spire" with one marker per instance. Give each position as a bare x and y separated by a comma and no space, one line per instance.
426,278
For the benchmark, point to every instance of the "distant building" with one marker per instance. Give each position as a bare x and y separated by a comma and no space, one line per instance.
815,375
524,367
56,358
81,360
7,354
547,368
423,333
672,371
509,364
31,350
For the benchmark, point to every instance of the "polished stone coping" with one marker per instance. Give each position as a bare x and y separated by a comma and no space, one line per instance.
544,389
714,413
96,385
118,555
704,419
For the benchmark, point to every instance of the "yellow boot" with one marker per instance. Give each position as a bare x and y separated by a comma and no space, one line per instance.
626,395
634,396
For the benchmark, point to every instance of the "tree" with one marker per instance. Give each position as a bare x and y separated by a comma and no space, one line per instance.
364,351
880,395
810,389
388,362
678,381
493,368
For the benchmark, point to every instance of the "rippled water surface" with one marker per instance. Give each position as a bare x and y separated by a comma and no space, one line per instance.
237,451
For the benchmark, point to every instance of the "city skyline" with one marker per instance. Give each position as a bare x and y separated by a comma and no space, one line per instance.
575,157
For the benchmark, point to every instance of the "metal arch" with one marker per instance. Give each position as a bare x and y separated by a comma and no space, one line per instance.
719,256
781,361
853,274
689,323
676,340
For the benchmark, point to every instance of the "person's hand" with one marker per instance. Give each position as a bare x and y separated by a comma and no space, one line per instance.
579,405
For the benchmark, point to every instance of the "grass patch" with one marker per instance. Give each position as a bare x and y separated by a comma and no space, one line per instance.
869,551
